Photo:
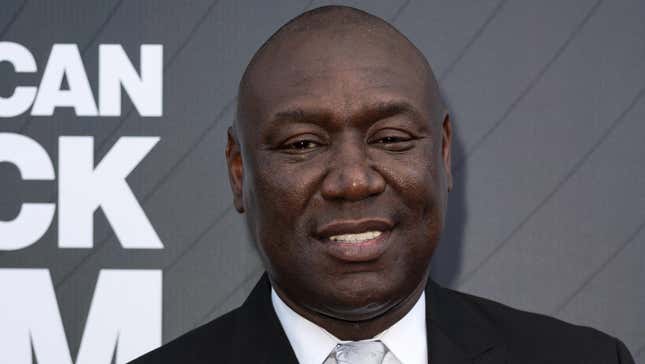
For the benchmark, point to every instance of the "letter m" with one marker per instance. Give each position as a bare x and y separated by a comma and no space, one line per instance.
124,317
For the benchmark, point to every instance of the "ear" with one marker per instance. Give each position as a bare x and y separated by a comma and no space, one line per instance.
446,141
235,169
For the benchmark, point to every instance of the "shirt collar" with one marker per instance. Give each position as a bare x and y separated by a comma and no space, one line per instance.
406,339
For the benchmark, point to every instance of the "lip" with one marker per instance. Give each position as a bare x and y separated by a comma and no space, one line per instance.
353,227
363,251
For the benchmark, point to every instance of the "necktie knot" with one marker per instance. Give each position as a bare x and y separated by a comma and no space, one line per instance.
360,352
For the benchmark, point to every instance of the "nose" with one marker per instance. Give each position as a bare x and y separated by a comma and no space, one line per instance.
351,176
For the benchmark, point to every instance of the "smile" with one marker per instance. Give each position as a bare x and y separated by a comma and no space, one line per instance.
356,238
355,241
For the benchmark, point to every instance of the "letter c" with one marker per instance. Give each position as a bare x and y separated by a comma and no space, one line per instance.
34,219
23,96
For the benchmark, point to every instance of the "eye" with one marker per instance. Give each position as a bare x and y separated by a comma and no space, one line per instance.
392,139
302,145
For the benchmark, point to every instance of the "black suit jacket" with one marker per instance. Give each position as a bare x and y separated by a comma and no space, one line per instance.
461,329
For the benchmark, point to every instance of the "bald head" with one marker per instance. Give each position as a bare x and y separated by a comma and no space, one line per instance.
331,35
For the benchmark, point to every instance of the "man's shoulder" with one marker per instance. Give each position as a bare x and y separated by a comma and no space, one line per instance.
248,334
197,345
533,335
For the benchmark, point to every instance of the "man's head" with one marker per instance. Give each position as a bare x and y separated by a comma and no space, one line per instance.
340,158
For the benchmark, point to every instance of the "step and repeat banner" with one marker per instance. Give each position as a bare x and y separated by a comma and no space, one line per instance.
117,229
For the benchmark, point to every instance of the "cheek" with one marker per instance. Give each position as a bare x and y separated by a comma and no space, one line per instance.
279,194
416,180
285,187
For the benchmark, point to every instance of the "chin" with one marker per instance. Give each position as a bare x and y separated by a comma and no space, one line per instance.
356,312
358,299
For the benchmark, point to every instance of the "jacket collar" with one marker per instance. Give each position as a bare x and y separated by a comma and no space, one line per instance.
259,337
457,332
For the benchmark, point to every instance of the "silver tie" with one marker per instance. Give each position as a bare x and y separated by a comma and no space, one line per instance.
360,352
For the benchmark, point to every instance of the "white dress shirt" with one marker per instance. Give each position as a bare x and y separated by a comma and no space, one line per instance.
406,339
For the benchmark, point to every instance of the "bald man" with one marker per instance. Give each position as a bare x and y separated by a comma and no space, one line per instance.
340,160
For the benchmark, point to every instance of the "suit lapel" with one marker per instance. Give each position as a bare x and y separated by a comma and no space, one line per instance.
259,337
457,333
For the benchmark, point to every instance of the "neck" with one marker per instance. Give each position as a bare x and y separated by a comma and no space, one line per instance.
358,330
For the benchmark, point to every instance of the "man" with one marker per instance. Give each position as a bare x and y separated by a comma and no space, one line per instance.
340,159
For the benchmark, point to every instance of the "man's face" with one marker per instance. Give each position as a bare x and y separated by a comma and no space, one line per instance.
343,172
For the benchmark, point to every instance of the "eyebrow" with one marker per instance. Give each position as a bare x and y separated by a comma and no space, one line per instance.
388,109
373,112
299,115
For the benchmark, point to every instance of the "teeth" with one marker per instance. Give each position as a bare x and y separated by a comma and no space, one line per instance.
354,238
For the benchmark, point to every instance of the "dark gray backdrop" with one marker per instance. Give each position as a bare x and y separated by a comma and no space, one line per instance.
548,99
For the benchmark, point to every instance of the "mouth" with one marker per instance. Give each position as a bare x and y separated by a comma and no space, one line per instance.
356,238
354,241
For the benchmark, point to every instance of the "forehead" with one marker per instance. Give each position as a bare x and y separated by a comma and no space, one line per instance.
339,72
